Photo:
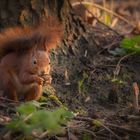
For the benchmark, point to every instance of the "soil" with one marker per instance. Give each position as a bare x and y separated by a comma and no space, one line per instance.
106,91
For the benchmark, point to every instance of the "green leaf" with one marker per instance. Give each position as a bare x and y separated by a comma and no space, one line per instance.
19,125
32,117
87,137
131,44
97,123
27,108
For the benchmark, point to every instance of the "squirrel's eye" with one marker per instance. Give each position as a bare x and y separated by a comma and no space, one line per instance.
34,61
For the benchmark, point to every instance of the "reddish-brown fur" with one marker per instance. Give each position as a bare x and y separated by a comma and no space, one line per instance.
25,63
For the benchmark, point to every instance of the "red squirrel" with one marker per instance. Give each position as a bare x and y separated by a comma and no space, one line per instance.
24,59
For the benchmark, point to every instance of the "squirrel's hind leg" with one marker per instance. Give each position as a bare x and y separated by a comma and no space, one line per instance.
34,93
11,93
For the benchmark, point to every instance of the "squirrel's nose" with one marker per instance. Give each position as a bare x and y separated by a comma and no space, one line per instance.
42,72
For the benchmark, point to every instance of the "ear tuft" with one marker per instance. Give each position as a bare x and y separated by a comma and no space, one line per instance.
51,32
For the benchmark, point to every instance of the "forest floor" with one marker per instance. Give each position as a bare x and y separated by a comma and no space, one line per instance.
105,110
114,81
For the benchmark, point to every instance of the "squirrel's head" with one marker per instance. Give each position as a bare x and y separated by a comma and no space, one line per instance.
39,62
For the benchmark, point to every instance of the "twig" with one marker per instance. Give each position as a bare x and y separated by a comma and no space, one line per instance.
28,117
96,17
120,128
7,136
85,130
131,117
91,120
135,96
103,135
111,132
109,11
68,133
34,135
9,100
117,70
43,135
108,47
4,119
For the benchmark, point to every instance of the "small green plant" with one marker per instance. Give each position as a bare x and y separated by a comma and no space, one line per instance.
32,117
131,45
117,80
81,83
87,137
97,123
50,94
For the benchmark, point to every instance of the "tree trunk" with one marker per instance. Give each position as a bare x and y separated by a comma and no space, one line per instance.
74,62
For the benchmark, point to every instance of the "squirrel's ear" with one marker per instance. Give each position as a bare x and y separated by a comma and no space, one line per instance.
45,48
51,45
46,35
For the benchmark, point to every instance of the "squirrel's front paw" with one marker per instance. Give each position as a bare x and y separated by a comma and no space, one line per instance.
47,80
39,80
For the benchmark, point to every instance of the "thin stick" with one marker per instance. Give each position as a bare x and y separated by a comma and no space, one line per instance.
91,120
120,128
107,10
9,100
135,96
110,125
117,70
97,18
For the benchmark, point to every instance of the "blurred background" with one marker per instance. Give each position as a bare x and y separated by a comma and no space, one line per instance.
123,15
